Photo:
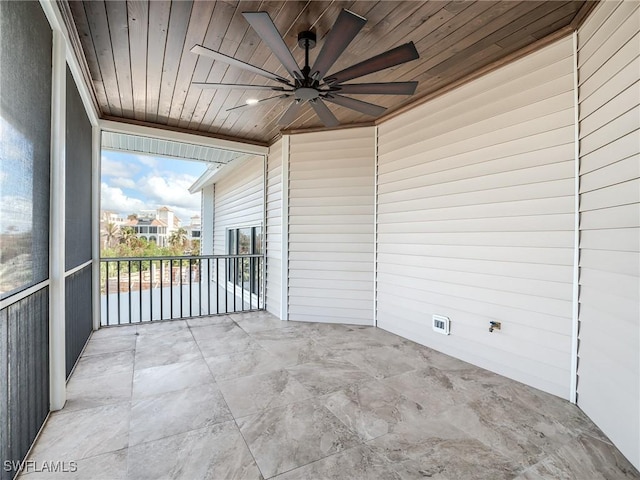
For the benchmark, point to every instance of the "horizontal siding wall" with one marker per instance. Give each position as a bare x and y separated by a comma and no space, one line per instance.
238,200
274,210
208,214
476,220
331,226
609,348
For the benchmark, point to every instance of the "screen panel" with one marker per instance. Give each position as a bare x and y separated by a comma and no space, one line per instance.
25,129
77,179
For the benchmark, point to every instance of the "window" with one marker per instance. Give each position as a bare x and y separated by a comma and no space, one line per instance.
244,272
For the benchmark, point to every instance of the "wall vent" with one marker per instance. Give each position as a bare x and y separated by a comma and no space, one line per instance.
441,324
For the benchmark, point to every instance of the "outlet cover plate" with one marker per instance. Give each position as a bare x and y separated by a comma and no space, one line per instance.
441,324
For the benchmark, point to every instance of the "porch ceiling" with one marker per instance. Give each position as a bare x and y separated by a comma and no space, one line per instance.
140,66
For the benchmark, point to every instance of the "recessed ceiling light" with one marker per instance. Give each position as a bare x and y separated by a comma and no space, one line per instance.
252,101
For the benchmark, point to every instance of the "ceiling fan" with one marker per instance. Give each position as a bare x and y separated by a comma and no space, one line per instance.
311,83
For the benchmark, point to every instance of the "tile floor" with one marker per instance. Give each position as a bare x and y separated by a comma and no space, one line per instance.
248,396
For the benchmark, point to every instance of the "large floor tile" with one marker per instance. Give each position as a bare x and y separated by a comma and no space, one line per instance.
356,463
213,453
461,458
89,392
177,412
111,344
287,332
583,458
219,340
285,438
423,357
249,395
435,389
327,376
165,350
258,322
167,378
242,364
508,427
84,433
161,327
114,331
373,409
89,366
379,362
107,466
209,321
295,351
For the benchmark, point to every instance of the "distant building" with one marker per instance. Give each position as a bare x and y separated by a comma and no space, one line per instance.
170,219
194,229
152,225
151,229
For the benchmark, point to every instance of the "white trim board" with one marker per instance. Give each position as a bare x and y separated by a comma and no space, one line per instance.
145,131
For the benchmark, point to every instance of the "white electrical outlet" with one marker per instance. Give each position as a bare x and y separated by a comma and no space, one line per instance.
441,324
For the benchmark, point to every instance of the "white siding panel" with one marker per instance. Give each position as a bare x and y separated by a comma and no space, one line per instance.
609,314
331,220
238,200
476,220
208,214
274,211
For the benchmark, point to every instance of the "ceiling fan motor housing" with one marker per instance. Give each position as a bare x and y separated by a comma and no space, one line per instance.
307,39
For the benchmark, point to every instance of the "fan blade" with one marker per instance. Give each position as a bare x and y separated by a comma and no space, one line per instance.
265,28
337,40
291,114
285,95
391,58
229,86
200,50
391,88
357,105
324,113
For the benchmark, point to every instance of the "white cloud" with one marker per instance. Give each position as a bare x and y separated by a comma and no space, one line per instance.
170,189
114,168
114,200
149,161
123,182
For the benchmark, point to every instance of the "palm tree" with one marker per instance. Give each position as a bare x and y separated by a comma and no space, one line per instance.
195,247
111,231
178,237
127,234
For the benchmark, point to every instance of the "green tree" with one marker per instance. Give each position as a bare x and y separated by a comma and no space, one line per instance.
195,247
178,238
128,236
111,232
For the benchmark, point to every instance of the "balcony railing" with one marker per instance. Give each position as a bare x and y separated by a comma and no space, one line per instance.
141,289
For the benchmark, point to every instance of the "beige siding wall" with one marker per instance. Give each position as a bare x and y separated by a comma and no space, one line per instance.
476,220
609,348
331,224
238,199
274,209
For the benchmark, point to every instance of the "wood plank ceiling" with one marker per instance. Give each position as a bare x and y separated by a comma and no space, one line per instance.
139,60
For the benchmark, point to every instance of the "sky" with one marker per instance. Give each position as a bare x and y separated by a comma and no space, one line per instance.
131,183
